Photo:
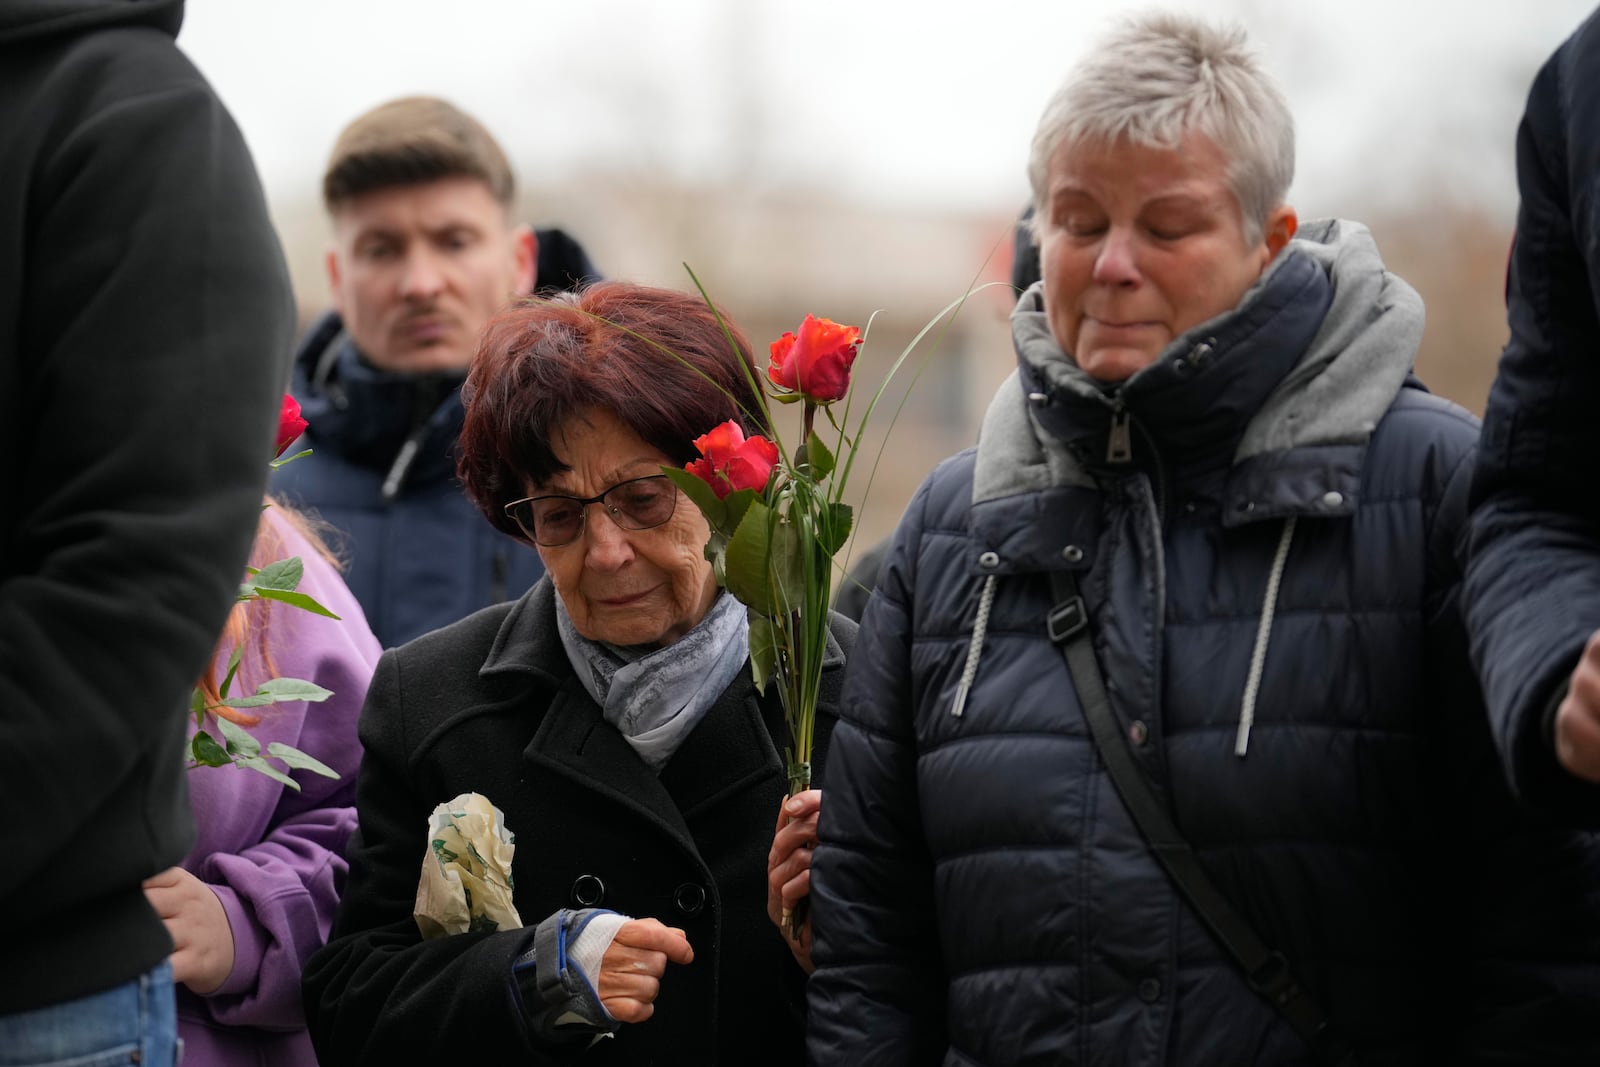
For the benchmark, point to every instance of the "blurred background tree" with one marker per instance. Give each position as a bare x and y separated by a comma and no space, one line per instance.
842,157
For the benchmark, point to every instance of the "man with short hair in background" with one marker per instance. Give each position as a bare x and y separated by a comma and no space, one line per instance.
425,250
1159,744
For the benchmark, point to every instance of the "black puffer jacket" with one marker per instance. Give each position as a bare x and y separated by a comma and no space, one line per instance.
982,895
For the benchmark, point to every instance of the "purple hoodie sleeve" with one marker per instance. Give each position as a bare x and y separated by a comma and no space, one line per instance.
275,857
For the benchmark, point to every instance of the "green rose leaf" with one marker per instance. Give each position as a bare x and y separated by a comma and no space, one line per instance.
261,766
283,689
240,743
818,456
737,504
835,530
207,752
259,700
284,574
763,651
299,600
293,757
704,497
197,705
787,563
745,562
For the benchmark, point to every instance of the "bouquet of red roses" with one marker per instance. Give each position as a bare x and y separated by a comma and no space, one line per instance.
778,518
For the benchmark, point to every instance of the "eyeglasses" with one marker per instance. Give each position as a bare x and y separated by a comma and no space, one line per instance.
636,504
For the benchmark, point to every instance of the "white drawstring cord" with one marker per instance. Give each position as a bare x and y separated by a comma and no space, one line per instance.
980,626
1258,658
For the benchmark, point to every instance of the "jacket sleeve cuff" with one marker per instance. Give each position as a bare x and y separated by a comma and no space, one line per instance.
249,944
558,998
1543,783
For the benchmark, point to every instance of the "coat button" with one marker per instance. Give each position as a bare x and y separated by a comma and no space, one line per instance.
1332,498
989,560
689,898
1138,732
1150,990
588,891
1072,554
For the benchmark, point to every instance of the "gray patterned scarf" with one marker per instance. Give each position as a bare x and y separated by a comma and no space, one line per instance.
656,696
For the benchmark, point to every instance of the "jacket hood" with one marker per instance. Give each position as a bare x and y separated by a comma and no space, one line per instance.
1309,361
28,20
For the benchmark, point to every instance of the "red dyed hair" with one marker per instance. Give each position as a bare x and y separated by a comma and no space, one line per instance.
657,359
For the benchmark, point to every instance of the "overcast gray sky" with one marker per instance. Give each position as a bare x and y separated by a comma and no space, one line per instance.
930,102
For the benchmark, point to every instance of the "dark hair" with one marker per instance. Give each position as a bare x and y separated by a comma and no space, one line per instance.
546,361
412,141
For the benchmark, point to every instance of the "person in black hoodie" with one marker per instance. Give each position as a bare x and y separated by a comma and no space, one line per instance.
145,314
425,250
1532,591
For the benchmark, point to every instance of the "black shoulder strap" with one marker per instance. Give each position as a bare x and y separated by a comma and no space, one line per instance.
1265,969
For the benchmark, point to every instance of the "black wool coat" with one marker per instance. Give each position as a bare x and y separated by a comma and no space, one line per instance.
491,704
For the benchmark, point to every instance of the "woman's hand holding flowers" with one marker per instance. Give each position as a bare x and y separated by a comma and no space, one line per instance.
789,869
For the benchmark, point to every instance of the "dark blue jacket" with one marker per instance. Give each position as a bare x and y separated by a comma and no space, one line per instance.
1533,580
419,554
1292,497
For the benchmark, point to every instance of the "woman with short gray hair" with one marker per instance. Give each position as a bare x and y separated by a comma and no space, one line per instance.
1159,744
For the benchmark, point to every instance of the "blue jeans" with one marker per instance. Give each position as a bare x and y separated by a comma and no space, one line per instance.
136,1022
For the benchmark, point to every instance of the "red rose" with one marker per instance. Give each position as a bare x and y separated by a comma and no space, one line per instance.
817,362
732,460
290,424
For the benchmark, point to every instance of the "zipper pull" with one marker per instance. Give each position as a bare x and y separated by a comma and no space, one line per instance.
1119,447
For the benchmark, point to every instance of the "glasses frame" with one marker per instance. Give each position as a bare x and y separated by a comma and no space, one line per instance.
583,510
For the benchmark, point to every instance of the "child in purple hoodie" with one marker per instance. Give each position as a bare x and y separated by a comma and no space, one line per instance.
256,895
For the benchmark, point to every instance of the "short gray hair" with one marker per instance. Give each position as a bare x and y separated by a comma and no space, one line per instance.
1160,76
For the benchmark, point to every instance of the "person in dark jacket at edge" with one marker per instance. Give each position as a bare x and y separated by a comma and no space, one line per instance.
145,326
424,251
1533,576
1215,432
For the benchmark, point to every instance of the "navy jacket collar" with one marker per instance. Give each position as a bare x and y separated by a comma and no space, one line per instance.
1194,402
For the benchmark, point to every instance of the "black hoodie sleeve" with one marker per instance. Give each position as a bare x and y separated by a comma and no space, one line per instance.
147,324
1532,592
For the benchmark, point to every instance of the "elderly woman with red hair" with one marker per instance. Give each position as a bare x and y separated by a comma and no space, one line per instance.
609,713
